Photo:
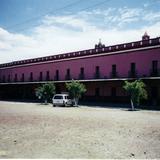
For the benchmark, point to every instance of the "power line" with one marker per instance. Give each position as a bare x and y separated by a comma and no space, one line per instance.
84,9
37,17
97,4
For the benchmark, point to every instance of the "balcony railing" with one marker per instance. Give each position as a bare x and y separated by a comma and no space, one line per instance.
40,78
132,74
97,75
154,73
68,77
81,76
47,78
22,79
15,80
56,78
30,79
114,74
3,80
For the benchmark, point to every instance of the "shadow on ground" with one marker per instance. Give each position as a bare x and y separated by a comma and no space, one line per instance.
122,106
125,107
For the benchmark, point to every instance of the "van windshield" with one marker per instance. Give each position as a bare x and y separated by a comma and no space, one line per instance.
58,97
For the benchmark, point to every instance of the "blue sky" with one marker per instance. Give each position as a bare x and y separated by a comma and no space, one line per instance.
34,28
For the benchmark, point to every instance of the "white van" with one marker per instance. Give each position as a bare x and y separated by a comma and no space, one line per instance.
62,100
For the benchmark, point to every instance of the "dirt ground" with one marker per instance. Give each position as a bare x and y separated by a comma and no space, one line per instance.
32,130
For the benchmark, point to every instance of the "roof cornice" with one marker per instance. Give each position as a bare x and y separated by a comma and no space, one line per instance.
114,49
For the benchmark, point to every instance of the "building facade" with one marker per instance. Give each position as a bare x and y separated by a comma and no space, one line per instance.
103,70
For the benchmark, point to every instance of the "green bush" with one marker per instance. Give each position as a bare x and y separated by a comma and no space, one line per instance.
45,91
76,89
136,90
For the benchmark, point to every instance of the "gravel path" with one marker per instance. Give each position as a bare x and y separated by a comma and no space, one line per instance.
31,130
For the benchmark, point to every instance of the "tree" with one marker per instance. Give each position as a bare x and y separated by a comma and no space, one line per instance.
76,89
45,92
136,91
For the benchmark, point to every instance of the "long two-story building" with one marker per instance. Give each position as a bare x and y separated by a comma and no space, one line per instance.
103,70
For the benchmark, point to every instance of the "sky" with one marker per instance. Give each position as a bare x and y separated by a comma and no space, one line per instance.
36,28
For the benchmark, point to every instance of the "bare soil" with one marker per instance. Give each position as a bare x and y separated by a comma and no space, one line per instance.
32,130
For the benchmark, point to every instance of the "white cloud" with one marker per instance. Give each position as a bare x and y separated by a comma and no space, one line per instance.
65,21
59,34
152,16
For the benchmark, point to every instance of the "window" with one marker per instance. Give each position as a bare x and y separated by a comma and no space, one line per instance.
4,78
57,75
97,74
40,76
9,78
113,92
68,71
132,72
15,77
31,76
154,68
133,67
68,74
58,97
82,70
81,75
97,69
22,79
114,71
47,76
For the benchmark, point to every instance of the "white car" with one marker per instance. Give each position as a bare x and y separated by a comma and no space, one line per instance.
62,100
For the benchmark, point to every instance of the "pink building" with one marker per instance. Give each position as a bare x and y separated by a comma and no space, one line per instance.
102,69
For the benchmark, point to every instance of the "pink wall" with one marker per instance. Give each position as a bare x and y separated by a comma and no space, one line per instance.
143,60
